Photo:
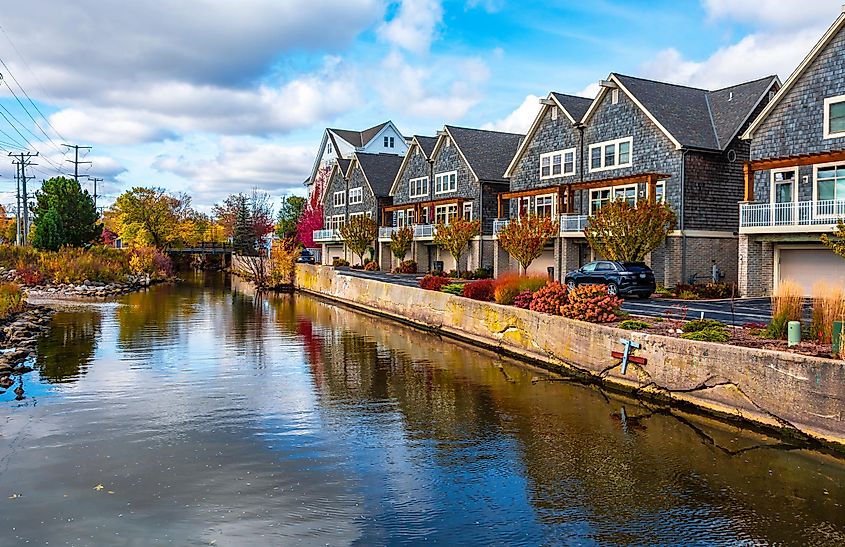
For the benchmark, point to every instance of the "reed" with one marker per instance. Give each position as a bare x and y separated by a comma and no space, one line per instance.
787,305
828,306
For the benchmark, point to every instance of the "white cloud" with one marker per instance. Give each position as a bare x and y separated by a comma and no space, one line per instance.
774,13
590,92
490,6
414,25
520,120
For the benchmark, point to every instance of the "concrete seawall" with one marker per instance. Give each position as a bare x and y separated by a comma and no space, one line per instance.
799,396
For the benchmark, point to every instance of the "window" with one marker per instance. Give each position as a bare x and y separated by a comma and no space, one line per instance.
409,217
418,187
468,210
544,206
523,205
356,196
834,117
446,182
660,191
425,215
614,96
339,199
785,185
555,164
554,113
444,214
830,182
399,219
329,148
602,196
611,154
388,142
353,215
605,267
336,222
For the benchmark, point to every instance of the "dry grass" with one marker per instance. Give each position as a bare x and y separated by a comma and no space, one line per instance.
787,305
828,306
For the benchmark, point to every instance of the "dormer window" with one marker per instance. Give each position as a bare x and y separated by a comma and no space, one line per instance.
834,117
388,142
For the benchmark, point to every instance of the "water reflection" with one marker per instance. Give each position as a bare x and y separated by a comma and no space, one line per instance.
67,350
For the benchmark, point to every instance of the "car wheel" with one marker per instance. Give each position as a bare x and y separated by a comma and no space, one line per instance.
570,285
612,289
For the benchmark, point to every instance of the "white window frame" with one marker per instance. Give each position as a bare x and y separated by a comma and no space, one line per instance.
337,222
389,142
614,96
467,210
554,113
412,185
552,198
659,184
551,156
615,143
827,104
451,212
816,168
794,183
353,215
356,196
339,199
438,185
613,190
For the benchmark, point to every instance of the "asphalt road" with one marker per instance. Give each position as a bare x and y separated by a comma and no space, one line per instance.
736,312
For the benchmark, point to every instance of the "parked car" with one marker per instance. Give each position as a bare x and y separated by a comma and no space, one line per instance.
305,257
621,278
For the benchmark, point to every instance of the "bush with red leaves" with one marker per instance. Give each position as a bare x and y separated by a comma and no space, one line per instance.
433,282
549,299
592,303
523,299
480,290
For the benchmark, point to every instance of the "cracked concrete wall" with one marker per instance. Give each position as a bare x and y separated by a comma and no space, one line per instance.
799,395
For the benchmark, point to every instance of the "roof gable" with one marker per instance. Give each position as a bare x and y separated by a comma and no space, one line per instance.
418,142
487,153
573,106
379,170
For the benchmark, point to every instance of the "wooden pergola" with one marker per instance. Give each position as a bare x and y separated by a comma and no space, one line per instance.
418,207
750,167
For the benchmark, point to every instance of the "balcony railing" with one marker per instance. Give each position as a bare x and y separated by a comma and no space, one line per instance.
385,232
499,225
570,224
424,231
790,217
327,235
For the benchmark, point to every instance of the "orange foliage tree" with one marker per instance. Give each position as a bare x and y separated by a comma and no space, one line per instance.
525,237
455,236
627,233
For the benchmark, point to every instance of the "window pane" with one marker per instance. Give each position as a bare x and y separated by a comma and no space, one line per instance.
544,166
826,189
556,164
569,162
610,155
595,158
837,117
624,153
783,192
827,173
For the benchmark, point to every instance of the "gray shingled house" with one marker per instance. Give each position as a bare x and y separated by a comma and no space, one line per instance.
461,175
358,186
639,139
795,183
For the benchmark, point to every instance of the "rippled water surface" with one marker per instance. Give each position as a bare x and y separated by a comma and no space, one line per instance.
199,414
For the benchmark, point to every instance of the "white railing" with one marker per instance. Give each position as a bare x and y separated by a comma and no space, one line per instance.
326,235
572,223
498,225
424,231
790,216
385,232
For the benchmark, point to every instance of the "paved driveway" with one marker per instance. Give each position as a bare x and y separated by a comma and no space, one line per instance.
738,312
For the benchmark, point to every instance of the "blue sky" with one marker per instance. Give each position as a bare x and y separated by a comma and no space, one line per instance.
213,97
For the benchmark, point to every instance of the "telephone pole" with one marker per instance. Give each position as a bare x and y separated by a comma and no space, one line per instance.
75,161
95,180
22,161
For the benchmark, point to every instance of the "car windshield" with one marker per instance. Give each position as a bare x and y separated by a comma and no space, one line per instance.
636,267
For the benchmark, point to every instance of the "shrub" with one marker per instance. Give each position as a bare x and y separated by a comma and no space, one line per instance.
11,299
453,288
787,305
433,282
701,324
481,289
828,306
549,299
592,303
481,273
711,334
29,275
407,267
717,290
523,299
506,287
371,266
634,324
337,261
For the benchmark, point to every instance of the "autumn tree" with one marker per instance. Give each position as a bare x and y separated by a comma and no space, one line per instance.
627,233
149,216
400,242
524,238
836,241
74,220
291,209
358,234
8,227
245,218
455,236
312,217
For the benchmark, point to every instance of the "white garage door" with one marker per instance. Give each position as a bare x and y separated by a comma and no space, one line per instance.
809,265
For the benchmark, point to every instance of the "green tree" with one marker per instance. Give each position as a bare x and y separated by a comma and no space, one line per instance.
78,221
289,214
49,232
619,231
524,238
400,242
150,216
455,236
358,234
836,241
243,236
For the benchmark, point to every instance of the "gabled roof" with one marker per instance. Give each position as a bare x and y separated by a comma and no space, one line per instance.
487,153
358,139
796,74
692,117
379,170
344,166
573,106
425,144
337,167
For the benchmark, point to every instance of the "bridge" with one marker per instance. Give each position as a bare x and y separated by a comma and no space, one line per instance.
204,248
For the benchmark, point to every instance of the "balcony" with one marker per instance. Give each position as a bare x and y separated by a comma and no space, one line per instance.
326,236
573,225
424,231
795,217
499,225
385,232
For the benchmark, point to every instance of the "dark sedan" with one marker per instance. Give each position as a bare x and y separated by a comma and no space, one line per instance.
621,278
306,257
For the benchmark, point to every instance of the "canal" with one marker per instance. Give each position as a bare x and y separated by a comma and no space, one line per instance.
199,414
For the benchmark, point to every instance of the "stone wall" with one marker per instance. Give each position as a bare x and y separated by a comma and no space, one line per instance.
797,395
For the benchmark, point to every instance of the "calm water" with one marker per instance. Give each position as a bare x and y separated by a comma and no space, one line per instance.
200,415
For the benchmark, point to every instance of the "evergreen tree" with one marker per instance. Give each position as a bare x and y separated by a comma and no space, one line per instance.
49,232
243,236
78,218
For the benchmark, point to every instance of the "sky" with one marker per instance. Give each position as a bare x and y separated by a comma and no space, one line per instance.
213,97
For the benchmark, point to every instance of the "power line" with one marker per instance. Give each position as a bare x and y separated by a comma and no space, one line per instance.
95,180
28,113
22,162
35,106
75,161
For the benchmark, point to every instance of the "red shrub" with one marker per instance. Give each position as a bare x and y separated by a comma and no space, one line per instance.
29,276
433,282
371,266
523,299
509,285
592,303
549,299
479,290
407,267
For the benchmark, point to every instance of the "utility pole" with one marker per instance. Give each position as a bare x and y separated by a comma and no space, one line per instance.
75,161
22,161
95,180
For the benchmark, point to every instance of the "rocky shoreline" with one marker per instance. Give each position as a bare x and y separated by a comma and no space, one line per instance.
87,289
18,338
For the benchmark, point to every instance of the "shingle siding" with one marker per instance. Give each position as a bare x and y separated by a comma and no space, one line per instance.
337,183
551,135
415,166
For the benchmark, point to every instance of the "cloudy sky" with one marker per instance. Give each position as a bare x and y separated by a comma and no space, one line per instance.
214,97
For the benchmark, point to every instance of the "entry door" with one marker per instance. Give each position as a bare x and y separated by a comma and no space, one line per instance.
785,191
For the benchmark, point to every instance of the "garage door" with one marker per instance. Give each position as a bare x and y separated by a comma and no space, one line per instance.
807,266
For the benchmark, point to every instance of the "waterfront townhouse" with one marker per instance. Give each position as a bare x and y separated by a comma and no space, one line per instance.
795,183
465,177
640,139
356,187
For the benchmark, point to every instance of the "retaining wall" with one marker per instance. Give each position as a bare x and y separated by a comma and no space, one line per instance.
798,395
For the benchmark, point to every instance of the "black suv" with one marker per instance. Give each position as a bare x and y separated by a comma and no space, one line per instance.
305,257
621,278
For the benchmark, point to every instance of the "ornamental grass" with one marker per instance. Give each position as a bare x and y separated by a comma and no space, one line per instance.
787,305
828,306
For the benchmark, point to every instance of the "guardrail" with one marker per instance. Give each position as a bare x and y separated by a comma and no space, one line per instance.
499,225
385,232
570,224
793,216
327,235
424,231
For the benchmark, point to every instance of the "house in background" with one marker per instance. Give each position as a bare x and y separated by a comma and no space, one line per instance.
465,177
640,139
359,186
795,180
342,143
